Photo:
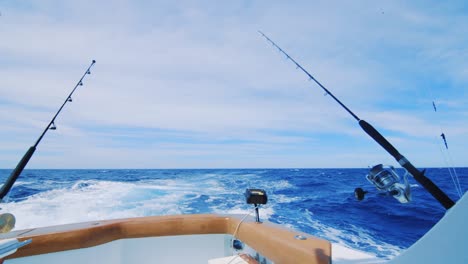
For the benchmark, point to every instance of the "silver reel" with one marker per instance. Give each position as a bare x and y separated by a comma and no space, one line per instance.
387,181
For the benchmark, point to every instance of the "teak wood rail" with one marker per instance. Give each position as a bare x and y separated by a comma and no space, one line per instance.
272,241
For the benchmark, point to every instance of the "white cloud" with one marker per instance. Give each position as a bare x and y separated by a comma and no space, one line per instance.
202,71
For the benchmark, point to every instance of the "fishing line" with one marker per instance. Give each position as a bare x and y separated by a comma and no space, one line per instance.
452,176
445,152
455,172
418,175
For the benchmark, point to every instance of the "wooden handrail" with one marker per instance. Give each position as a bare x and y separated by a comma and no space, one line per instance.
272,241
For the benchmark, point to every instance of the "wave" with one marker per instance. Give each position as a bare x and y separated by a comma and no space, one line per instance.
299,199
354,237
91,200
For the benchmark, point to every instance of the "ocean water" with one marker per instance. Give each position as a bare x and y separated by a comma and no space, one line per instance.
316,201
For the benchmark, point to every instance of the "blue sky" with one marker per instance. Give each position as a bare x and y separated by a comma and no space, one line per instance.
191,84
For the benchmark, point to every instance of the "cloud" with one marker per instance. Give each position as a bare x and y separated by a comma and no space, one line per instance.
197,79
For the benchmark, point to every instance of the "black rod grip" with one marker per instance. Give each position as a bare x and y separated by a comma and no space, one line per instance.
373,133
433,189
16,172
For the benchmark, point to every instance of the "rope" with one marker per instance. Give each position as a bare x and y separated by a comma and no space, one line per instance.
234,236
237,229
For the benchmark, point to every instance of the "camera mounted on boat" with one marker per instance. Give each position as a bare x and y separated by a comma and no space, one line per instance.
386,180
256,197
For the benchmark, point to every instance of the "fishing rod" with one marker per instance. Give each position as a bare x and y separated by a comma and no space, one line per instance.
51,126
418,175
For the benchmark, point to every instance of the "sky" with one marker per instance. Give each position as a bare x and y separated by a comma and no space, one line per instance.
192,84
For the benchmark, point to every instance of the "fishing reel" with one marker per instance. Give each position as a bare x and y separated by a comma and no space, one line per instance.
387,181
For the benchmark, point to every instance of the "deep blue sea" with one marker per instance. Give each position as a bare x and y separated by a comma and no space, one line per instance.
317,201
